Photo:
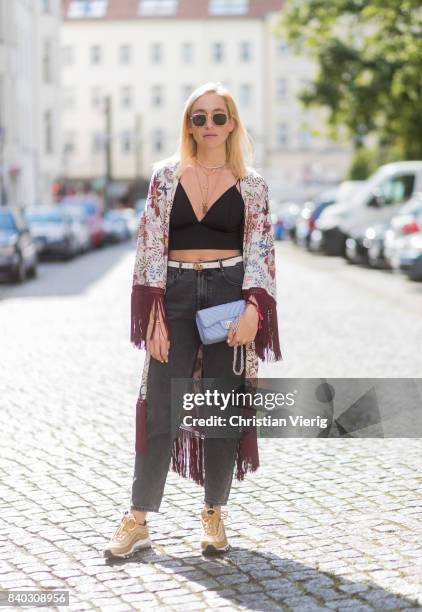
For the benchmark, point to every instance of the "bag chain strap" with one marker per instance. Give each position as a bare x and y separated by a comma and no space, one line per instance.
242,362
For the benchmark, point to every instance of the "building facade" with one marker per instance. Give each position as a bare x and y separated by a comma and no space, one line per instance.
146,56
29,100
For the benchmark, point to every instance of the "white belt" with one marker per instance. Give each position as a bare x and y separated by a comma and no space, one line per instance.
200,265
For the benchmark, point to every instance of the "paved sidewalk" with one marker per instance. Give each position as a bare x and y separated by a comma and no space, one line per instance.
323,525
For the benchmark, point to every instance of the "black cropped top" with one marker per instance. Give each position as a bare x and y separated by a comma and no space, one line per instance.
220,228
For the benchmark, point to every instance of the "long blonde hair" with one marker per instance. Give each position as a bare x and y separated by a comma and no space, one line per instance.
239,147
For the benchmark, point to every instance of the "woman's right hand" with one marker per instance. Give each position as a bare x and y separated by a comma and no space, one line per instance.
159,345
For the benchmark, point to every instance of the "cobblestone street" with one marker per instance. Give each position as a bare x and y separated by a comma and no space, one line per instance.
322,525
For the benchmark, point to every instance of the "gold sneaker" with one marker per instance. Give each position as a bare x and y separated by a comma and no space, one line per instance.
213,533
128,538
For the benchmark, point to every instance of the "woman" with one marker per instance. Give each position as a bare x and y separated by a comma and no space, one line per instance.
205,238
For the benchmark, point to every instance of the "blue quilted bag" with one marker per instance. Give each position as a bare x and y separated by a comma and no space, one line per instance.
213,325
214,322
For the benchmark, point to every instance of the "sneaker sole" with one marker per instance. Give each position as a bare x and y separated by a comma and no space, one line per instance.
212,550
139,545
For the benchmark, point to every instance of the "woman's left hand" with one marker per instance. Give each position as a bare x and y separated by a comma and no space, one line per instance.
247,328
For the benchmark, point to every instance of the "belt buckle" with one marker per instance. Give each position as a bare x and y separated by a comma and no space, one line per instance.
197,266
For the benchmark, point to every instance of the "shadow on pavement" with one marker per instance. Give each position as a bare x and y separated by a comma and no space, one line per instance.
267,581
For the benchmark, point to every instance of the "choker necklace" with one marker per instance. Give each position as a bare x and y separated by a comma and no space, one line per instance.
210,167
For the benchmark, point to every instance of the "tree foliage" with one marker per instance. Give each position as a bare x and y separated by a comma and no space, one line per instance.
369,66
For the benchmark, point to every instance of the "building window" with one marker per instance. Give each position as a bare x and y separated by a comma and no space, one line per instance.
228,7
282,134
125,54
156,53
281,46
157,7
96,97
245,95
281,89
48,132
95,54
46,62
157,96
97,142
126,96
187,52
126,142
87,8
304,138
69,146
186,92
217,52
245,51
67,56
157,141
69,98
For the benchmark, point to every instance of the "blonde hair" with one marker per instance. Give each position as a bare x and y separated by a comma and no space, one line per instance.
239,146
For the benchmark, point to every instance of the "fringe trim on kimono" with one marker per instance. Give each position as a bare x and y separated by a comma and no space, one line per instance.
187,457
267,344
144,301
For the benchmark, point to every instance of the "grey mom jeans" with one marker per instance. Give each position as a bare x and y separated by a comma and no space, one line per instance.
187,290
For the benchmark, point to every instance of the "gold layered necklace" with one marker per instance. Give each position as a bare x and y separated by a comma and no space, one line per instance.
207,171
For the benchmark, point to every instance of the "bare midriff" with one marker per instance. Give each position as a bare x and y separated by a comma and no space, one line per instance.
202,254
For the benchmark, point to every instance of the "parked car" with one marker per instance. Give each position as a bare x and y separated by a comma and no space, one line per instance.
116,226
407,253
286,215
278,222
92,205
415,270
139,206
383,242
374,203
18,251
407,221
132,219
362,241
375,244
306,219
80,226
51,230
311,213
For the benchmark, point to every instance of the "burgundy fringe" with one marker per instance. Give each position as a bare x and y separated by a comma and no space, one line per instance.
247,459
267,344
187,457
145,300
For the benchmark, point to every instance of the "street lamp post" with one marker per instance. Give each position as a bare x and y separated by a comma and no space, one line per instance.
108,151
138,147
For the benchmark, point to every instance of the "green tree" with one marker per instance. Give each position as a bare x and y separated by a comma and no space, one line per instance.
369,67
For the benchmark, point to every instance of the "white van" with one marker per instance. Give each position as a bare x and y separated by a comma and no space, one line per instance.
374,202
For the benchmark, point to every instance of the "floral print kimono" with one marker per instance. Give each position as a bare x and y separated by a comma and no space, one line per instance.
148,288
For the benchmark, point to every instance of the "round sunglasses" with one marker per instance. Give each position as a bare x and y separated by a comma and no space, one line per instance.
200,119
